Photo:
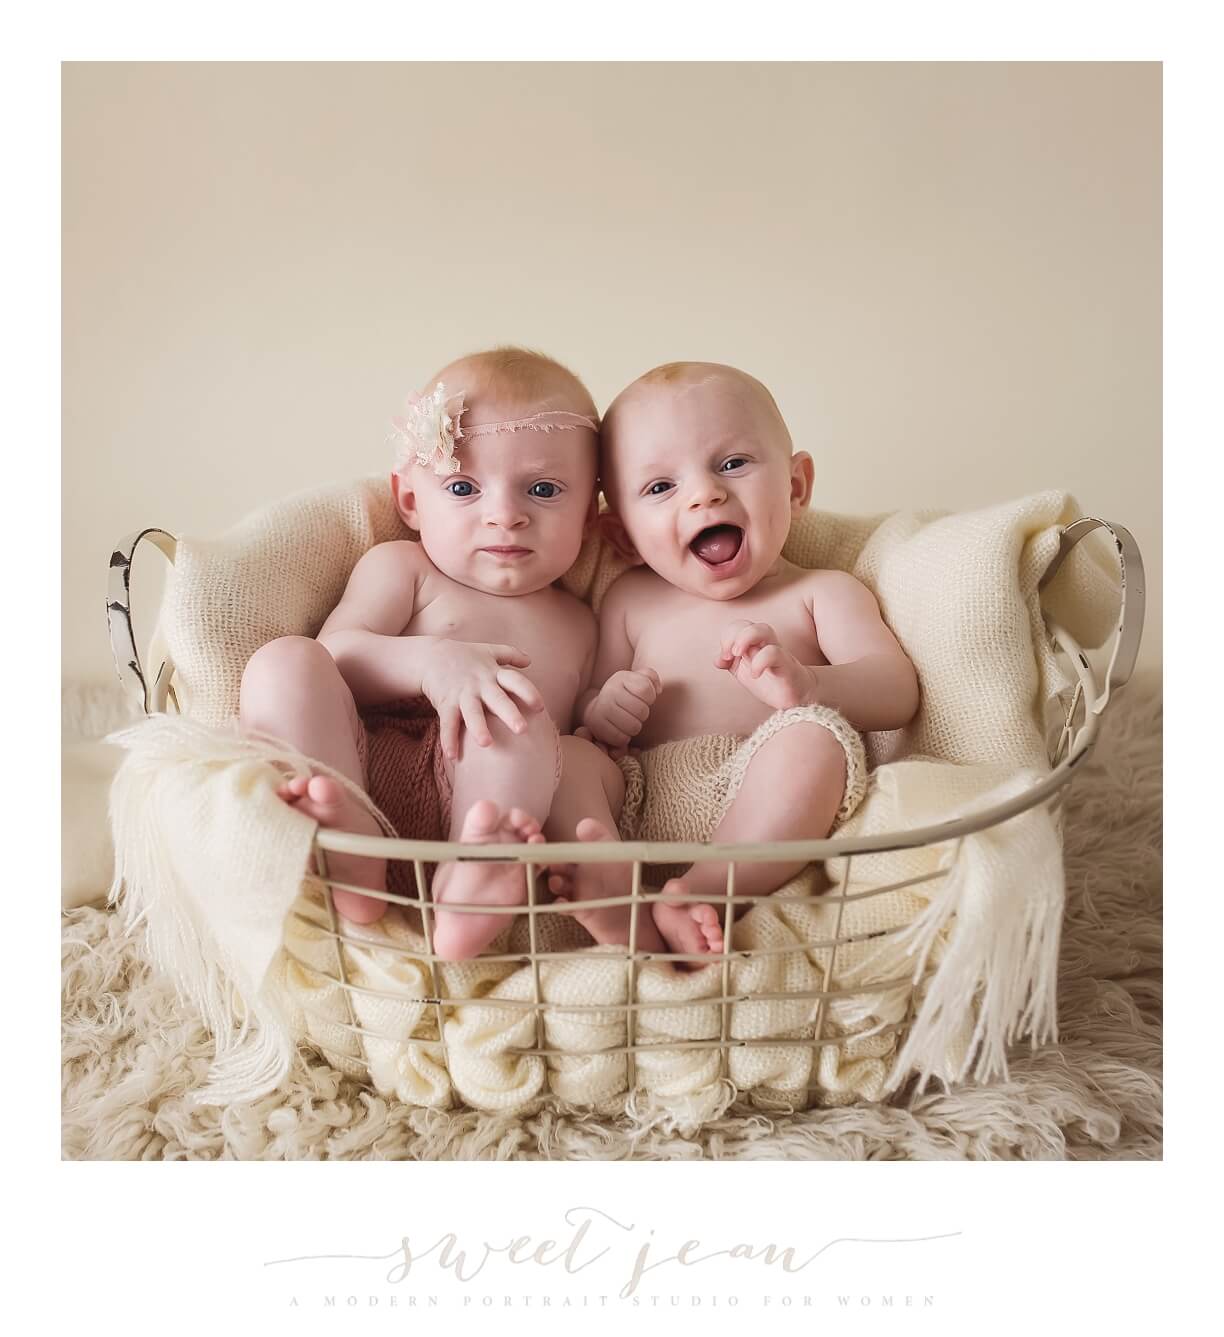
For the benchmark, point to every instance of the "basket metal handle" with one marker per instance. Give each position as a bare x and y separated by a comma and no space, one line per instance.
1133,597
151,693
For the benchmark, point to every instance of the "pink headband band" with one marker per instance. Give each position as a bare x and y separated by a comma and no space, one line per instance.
430,431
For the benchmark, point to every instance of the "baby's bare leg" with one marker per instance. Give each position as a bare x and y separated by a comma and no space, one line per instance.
791,791
501,795
292,689
585,807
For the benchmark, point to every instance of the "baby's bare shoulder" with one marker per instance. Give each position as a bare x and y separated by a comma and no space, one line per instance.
395,572
636,578
391,560
638,590
635,584
577,613
382,590
833,590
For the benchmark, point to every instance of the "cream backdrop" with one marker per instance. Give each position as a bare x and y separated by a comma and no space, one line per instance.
948,274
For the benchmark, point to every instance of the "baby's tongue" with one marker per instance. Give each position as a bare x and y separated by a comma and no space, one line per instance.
718,544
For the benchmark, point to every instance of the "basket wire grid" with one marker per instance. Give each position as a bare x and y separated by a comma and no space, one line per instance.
1070,742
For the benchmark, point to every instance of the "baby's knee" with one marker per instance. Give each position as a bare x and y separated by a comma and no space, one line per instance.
579,756
806,749
279,669
537,746
825,756
827,749
576,752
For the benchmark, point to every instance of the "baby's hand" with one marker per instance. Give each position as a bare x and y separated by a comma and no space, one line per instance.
623,705
750,651
466,678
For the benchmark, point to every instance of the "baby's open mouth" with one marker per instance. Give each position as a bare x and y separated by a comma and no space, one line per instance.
717,544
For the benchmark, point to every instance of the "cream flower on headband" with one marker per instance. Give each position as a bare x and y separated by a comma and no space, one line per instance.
429,431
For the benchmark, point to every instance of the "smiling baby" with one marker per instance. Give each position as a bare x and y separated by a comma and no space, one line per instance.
714,633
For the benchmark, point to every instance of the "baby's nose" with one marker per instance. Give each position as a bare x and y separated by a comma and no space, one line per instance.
706,491
505,513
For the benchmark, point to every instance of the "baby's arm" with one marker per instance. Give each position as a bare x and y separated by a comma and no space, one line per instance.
586,674
460,679
868,678
362,632
614,711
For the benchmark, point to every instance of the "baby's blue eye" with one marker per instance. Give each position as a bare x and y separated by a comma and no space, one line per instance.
657,489
460,488
544,490
735,462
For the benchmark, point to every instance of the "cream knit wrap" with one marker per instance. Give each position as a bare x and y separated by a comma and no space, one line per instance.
211,862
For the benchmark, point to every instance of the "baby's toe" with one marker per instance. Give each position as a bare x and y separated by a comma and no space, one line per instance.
706,919
560,880
523,823
482,820
323,790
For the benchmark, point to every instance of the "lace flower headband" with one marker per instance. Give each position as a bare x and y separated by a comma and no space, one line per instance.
431,430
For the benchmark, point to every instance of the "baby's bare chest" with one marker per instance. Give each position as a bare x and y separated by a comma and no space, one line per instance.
681,637
682,630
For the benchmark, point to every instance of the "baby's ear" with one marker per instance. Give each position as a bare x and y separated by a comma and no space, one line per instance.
613,532
405,501
802,479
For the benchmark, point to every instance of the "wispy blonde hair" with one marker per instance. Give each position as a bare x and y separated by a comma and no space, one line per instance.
521,373
684,373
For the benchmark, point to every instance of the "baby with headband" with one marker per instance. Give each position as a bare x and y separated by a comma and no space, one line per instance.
442,680
714,635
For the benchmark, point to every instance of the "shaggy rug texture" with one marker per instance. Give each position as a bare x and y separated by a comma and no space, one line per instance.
132,1052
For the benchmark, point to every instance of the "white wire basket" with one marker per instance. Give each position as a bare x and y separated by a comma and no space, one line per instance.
1071,741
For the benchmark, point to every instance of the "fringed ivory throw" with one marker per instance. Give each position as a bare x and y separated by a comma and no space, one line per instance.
211,862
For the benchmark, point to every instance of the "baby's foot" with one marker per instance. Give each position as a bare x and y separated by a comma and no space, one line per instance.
331,805
593,881
460,936
691,927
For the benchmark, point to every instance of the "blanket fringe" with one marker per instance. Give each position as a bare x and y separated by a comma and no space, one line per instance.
988,937
170,770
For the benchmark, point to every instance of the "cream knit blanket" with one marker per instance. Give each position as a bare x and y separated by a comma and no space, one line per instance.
211,862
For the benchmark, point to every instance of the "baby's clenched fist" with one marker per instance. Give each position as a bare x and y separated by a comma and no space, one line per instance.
617,714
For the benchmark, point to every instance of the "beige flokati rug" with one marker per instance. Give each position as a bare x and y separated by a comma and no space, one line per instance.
131,1052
